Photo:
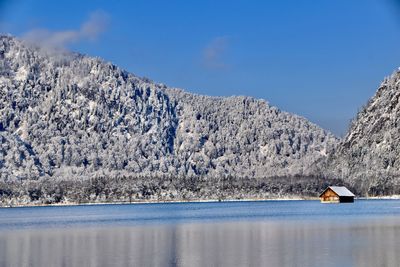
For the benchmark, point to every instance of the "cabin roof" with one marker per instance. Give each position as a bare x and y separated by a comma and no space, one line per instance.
341,191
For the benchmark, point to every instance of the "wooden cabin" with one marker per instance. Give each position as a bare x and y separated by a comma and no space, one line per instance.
337,194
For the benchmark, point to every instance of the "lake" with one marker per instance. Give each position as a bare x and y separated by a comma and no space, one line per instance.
261,233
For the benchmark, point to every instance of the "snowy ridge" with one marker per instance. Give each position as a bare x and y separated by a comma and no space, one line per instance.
82,117
368,156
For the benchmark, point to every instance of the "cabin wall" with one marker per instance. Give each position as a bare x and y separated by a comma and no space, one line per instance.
330,196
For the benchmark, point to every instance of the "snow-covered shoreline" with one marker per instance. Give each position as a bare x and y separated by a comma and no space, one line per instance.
394,197
155,202
381,197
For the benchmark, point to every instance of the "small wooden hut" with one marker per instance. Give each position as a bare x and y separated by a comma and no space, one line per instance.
337,194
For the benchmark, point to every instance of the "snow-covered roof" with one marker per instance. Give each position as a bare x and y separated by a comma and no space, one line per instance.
341,191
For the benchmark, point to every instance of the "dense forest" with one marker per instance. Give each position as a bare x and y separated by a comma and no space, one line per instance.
77,129
128,189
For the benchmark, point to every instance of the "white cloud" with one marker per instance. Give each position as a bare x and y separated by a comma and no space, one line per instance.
97,24
213,54
89,30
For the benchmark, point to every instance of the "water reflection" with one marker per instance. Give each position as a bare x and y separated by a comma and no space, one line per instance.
360,243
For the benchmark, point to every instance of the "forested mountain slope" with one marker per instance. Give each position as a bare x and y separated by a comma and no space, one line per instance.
69,117
81,115
369,155
243,136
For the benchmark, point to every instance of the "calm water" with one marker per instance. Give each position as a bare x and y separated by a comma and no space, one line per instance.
268,233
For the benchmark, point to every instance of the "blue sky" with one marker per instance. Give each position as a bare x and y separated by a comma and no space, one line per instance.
320,59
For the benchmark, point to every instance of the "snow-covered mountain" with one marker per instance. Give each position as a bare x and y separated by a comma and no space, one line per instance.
369,155
69,116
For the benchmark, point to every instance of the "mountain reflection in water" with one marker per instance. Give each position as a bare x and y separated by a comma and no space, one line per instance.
370,242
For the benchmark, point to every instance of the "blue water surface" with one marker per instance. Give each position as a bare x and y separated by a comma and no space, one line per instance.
172,213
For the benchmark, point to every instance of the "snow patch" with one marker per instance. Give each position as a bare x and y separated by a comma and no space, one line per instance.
21,74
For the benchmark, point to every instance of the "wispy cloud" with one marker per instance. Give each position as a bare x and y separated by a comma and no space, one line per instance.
91,29
214,53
